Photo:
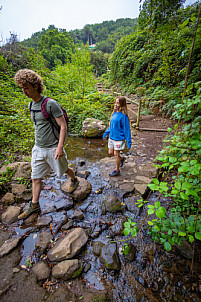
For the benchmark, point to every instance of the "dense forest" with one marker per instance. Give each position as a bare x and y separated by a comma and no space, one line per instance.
158,54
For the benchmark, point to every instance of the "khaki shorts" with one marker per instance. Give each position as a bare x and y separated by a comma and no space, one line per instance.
116,145
43,162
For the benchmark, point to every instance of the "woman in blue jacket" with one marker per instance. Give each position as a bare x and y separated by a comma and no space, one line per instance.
119,132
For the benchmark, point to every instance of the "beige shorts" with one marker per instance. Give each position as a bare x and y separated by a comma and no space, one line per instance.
43,162
116,145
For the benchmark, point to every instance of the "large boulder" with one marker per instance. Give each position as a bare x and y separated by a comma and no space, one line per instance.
69,246
83,190
92,127
9,245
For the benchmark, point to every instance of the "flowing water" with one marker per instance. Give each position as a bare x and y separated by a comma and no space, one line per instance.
153,274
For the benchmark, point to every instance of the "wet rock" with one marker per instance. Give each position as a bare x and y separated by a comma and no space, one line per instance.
9,245
10,215
41,270
83,174
68,246
93,128
68,269
59,226
109,257
43,221
131,206
64,204
8,198
82,191
77,214
81,163
118,227
113,204
96,232
142,281
67,226
87,267
31,218
97,246
131,253
43,240
185,249
154,286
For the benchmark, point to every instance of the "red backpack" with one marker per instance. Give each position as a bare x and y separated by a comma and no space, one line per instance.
47,117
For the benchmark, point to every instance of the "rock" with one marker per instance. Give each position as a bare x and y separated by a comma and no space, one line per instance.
43,221
93,128
23,171
43,240
68,246
87,267
109,257
9,245
67,269
97,246
81,163
132,252
82,191
131,206
24,196
18,188
31,218
127,186
142,180
77,214
10,215
185,249
83,174
113,204
64,204
8,198
118,227
67,226
141,188
41,270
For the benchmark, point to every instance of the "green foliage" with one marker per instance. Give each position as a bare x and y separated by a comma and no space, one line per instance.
5,177
71,84
56,47
156,59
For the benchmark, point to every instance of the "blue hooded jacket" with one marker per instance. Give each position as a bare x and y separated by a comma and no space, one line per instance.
119,129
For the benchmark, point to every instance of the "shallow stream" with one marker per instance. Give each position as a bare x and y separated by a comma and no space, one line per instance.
153,275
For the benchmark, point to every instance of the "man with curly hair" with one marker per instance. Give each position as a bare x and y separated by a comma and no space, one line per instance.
48,152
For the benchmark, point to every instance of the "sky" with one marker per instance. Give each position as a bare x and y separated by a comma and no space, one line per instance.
25,17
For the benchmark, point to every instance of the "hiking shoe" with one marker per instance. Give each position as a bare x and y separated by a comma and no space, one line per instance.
73,185
115,173
33,208
122,161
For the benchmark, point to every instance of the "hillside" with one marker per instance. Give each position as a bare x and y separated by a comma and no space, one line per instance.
104,35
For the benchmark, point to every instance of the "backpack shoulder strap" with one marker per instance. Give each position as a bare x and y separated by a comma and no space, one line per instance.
30,105
44,109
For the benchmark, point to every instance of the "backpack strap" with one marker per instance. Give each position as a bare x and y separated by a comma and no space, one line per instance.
48,117
44,109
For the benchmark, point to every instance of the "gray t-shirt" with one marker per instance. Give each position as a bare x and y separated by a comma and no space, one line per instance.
44,135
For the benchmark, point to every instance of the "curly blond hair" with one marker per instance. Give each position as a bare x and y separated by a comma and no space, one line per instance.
24,76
